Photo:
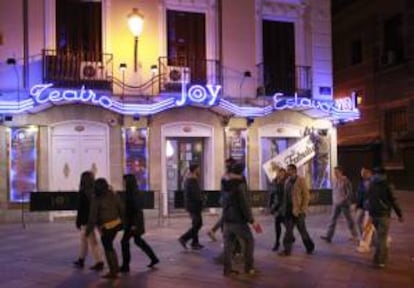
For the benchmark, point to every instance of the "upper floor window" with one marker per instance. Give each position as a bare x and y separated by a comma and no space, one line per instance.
393,41
79,27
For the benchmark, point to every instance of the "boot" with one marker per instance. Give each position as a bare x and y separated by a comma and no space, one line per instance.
112,259
97,267
80,263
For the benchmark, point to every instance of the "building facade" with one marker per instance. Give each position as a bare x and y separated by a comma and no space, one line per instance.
205,80
373,53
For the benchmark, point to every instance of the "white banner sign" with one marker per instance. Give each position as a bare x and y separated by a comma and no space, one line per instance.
298,154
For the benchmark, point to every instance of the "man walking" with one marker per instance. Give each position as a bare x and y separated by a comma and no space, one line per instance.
341,198
294,207
381,200
194,206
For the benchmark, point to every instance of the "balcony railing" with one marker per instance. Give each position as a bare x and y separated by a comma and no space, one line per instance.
298,80
76,69
174,71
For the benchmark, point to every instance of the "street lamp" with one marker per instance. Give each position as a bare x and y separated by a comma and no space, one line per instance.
135,23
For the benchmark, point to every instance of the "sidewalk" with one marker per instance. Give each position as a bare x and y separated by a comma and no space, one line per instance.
41,256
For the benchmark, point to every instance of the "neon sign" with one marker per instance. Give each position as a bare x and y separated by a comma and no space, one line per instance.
341,105
42,94
198,94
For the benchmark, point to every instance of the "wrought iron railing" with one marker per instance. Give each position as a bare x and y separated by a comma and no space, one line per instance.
174,71
76,69
297,81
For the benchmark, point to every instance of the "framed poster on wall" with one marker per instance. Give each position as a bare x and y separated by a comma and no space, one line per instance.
22,163
236,144
136,155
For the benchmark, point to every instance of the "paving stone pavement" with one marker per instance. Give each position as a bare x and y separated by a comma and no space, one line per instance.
42,254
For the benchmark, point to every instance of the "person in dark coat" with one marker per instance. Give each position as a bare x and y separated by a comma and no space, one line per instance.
84,202
278,188
237,215
194,205
106,214
381,201
134,225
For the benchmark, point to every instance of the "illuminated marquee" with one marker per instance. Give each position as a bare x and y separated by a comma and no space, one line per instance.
198,94
340,105
42,94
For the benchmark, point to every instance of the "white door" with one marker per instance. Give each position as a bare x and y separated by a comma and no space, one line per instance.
77,147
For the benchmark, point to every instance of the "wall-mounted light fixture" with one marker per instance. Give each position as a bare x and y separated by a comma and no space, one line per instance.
136,24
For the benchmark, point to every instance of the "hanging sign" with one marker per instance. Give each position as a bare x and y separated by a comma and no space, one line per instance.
297,154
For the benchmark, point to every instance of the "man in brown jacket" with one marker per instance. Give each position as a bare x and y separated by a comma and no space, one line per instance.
294,206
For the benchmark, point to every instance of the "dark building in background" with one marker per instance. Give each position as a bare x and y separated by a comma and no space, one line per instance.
373,50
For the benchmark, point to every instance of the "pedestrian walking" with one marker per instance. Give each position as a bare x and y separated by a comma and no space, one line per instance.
219,223
341,198
294,207
134,225
276,200
87,242
194,205
381,201
362,203
106,214
236,217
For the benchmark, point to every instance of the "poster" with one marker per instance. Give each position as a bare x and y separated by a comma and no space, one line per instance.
23,163
136,156
236,144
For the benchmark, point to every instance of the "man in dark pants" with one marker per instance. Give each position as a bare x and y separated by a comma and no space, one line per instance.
236,216
294,207
193,204
381,200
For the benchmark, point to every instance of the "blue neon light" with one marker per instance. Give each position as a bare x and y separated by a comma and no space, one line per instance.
208,95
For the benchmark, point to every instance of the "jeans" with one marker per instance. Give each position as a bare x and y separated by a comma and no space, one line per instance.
336,211
89,241
241,231
382,226
192,233
290,223
141,243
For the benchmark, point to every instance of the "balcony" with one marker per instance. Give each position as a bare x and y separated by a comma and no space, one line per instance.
297,80
76,69
174,71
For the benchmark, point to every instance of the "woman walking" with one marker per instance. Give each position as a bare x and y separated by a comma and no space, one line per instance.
134,224
85,195
106,213
278,188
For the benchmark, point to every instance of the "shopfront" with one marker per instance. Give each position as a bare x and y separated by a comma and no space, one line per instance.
57,134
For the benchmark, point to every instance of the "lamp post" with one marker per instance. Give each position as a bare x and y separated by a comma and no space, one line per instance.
136,24
154,70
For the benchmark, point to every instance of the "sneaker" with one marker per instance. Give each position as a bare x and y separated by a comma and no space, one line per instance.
379,265
197,246
212,235
275,247
284,253
230,273
153,263
124,269
97,267
183,243
110,275
326,238
251,272
80,263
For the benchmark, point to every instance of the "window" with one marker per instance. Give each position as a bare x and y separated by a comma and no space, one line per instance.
279,57
395,124
79,28
393,43
356,52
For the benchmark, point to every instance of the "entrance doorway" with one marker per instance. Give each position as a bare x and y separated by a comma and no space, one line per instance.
76,146
180,154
